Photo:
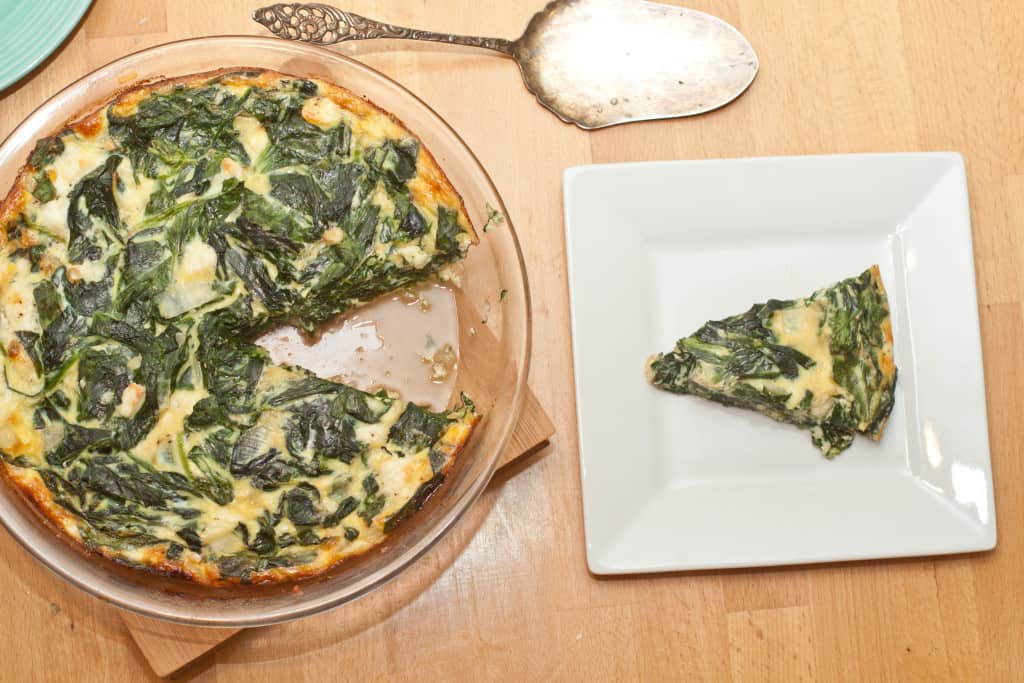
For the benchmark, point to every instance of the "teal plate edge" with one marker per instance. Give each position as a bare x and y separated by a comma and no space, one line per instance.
31,30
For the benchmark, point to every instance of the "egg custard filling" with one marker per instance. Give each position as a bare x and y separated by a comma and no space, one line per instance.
144,249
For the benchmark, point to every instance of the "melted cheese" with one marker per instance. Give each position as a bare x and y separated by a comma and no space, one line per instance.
382,199
322,112
52,218
78,159
414,255
17,304
253,136
157,447
87,271
258,183
132,194
801,327
376,435
18,436
192,285
131,400
375,129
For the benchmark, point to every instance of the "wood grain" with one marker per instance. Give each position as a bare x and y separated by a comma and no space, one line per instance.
507,595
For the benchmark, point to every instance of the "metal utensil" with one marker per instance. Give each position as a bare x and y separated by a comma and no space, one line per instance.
594,63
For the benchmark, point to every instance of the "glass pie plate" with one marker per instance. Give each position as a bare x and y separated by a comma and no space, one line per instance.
492,336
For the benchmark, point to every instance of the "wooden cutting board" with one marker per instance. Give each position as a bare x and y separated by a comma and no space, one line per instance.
169,647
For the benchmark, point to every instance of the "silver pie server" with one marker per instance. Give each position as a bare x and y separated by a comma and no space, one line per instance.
594,63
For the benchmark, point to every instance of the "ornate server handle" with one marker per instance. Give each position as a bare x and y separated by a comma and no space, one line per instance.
325,25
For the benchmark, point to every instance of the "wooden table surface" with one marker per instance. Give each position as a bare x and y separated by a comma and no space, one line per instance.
508,594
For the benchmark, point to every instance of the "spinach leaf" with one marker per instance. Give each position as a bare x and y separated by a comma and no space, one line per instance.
102,377
206,413
360,405
29,342
345,508
93,197
59,336
300,192
263,242
305,387
85,297
448,231
44,190
396,161
314,429
257,279
412,225
275,219
253,457
140,340
45,151
265,540
296,141
301,505
340,182
189,534
146,273
117,477
361,225
77,439
191,179
371,506
243,566
160,200
203,215
417,501
417,428
47,302
209,464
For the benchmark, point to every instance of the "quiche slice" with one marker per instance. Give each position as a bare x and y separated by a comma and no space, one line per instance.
144,248
824,363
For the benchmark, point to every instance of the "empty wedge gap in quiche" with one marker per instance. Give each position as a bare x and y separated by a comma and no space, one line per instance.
823,363
144,249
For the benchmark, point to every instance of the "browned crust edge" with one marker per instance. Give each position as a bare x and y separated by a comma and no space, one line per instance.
38,497
886,358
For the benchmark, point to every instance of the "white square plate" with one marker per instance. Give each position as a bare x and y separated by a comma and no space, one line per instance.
675,482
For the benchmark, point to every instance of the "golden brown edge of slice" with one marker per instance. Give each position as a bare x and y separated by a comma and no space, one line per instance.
885,354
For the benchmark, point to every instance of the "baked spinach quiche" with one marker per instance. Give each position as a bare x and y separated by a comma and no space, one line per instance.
823,363
144,248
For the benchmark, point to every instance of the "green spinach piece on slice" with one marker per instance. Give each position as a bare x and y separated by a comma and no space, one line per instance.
102,377
59,338
417,428
90,199
46,151
48,303
448,231
395,161
232,372
43,190
77,439
301,505
209,468
84,296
